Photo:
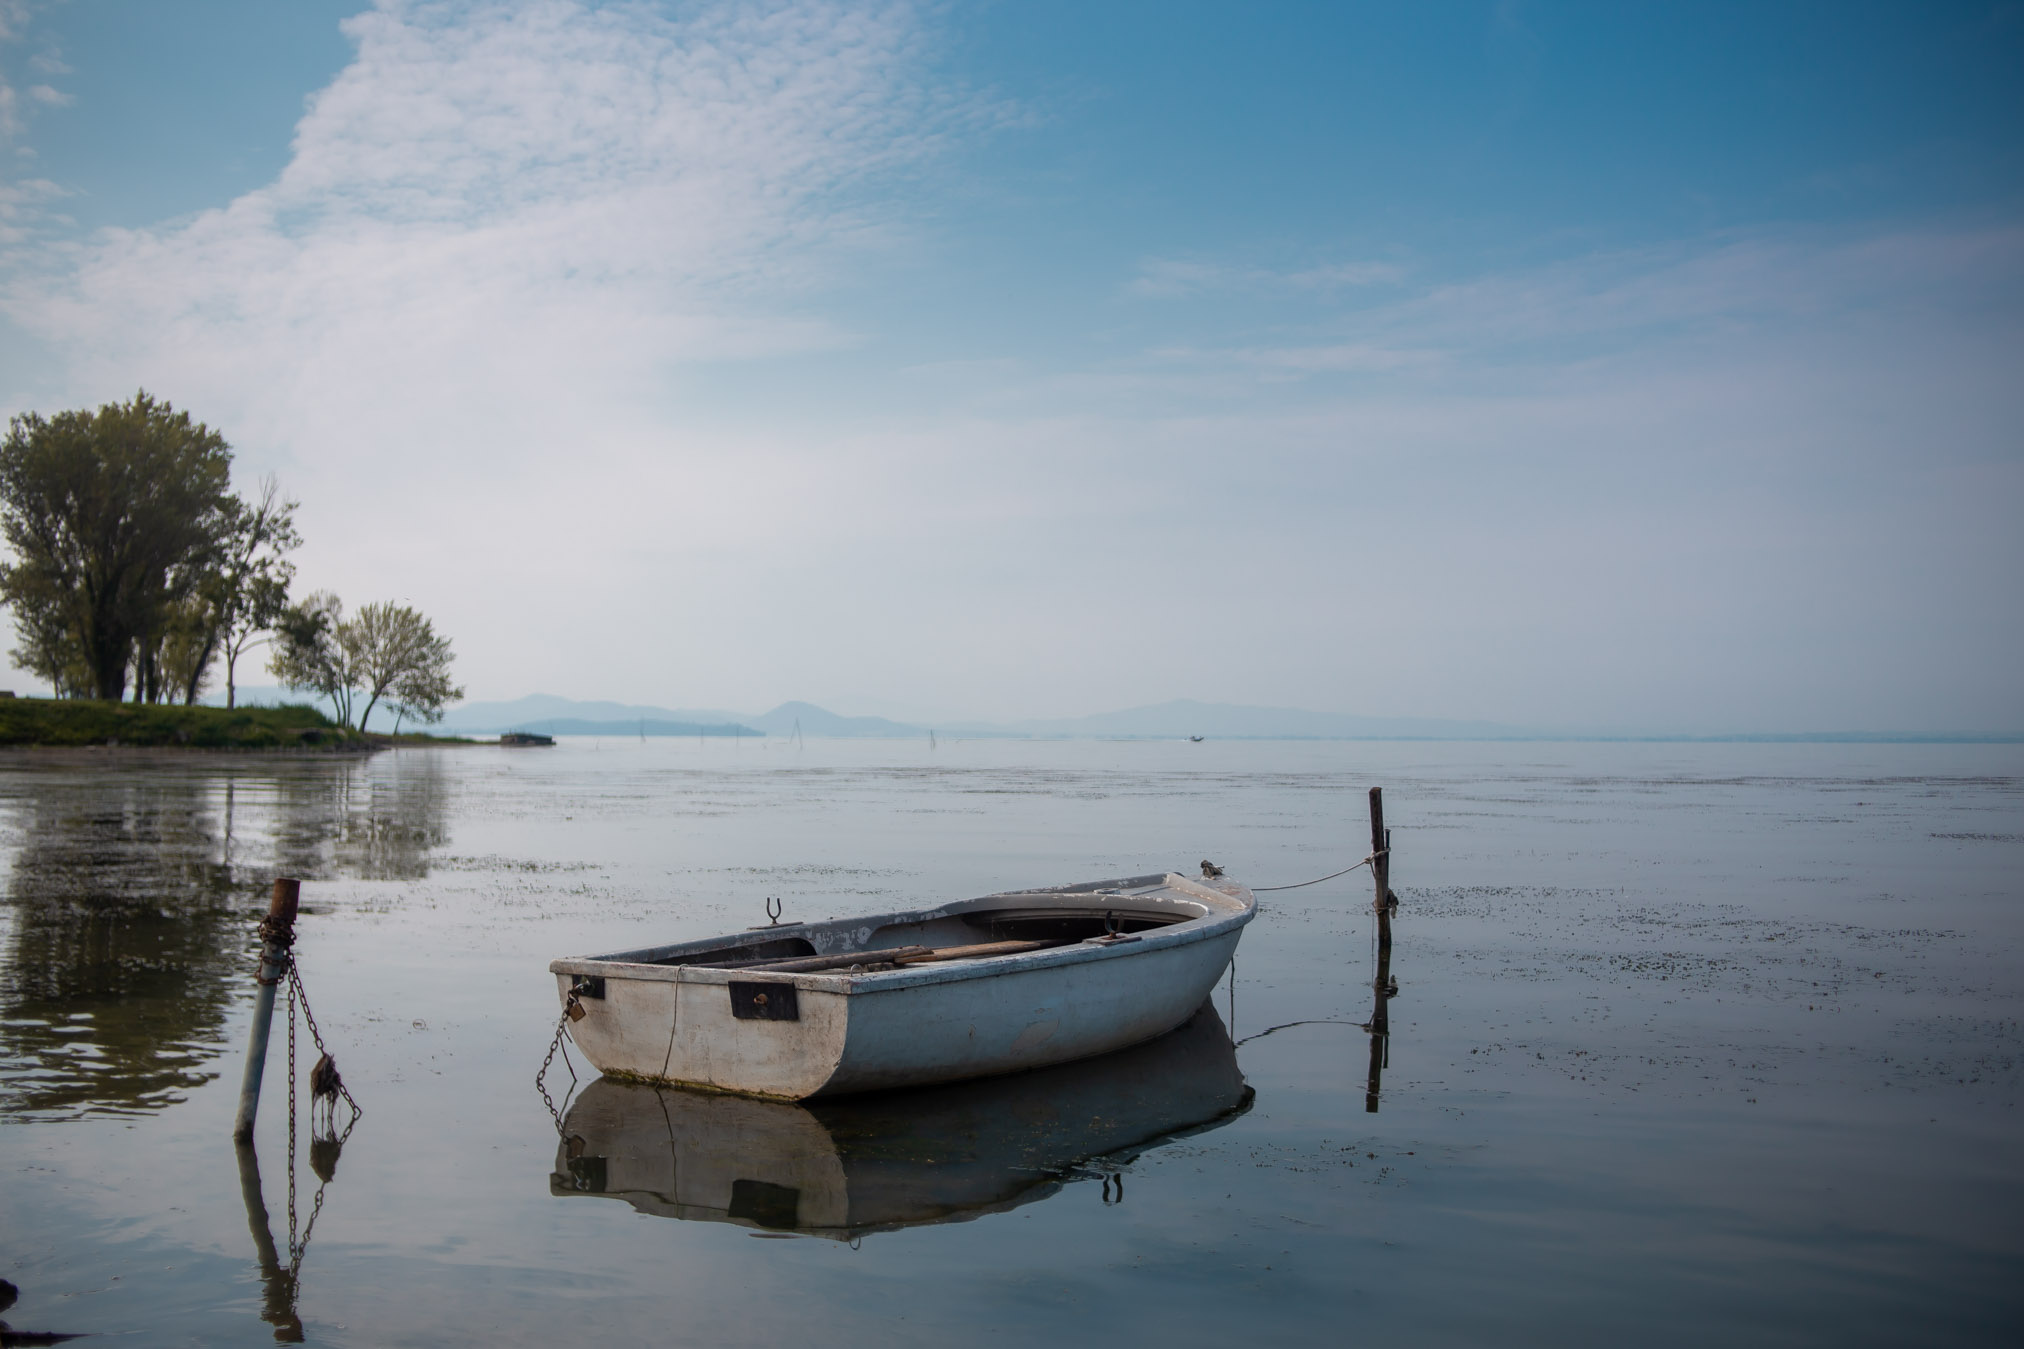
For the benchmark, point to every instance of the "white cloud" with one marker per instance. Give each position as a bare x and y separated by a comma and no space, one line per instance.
501,219
23,203
1170,278
595,184
1613,305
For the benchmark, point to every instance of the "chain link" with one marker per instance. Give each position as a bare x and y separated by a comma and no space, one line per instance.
298,999
294,1251
541,1078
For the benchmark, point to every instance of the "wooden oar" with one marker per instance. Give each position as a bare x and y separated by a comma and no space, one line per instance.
977,952
805,964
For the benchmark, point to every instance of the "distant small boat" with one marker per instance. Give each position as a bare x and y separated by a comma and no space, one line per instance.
1196,738
525,738
908,999
846,1168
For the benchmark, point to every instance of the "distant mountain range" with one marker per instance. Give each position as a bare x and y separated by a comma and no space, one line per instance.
548,714
1228,721
1165,721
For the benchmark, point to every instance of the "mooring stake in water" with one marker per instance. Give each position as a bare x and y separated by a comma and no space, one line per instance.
277,934
1383,986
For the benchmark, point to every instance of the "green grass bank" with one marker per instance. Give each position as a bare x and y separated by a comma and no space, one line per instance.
78,722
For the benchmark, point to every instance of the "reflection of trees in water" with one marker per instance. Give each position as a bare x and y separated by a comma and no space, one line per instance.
132,897
376,825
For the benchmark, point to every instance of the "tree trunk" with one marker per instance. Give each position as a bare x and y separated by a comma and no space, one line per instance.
204,659
109,672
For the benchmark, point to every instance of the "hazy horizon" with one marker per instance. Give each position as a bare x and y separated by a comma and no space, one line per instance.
1572,367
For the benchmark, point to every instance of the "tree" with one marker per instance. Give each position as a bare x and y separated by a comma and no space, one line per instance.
248,590
184,645
49,647
113,516
387,651
421,697
309,655
396,651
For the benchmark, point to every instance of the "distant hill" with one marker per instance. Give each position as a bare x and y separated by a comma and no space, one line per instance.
639,726
816,721
1228,721
551,715
544,712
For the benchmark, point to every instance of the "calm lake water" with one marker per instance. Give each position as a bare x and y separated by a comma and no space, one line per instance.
1691,1043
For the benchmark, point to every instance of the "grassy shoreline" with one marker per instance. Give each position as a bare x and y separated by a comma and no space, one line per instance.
75,723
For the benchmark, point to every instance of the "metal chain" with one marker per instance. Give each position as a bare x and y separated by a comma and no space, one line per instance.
298,998
541,1078
288,974
296,990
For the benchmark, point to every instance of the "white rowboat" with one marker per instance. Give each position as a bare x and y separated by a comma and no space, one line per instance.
974,988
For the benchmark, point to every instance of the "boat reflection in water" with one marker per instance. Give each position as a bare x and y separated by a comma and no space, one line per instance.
849,1166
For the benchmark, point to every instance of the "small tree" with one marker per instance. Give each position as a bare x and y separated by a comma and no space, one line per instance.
249,590
421,696
308,653
49,646
181,658
394,650
386,652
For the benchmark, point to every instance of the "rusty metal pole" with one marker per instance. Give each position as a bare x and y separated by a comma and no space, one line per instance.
278,932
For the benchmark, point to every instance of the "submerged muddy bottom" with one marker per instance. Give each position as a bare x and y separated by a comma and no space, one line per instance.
1690,1043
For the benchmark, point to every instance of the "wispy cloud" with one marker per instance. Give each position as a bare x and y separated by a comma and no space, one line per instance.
1612,306
586,179
22,202
1171,278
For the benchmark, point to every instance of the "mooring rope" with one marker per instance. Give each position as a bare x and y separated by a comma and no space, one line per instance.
1289,1025
1301,885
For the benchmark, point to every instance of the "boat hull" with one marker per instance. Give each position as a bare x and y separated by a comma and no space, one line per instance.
876,1163
656,1016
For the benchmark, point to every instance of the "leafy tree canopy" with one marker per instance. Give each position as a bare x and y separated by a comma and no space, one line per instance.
386,652
132,558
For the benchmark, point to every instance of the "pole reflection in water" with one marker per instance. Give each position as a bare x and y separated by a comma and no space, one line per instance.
1383,989
281,1284
277,1281
890,1160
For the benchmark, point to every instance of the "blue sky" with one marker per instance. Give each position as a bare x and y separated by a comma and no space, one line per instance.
1577,365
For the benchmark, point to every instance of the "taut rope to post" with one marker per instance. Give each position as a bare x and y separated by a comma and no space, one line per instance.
1301,885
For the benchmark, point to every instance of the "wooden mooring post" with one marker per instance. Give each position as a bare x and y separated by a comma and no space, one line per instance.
1382,987
1380,868
278,934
